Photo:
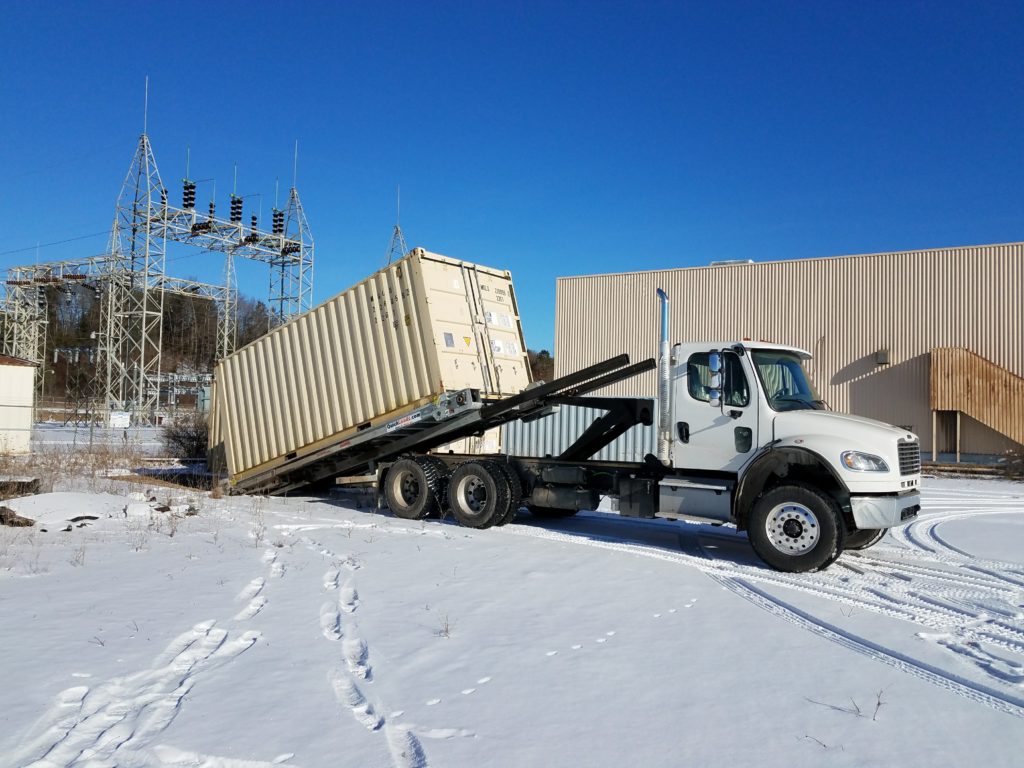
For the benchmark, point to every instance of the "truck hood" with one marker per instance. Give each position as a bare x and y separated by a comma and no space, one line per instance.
858,431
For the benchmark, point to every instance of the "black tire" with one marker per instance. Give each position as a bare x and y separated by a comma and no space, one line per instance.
865,538
443,476
478,494
550,511
410,489
796,528
515,491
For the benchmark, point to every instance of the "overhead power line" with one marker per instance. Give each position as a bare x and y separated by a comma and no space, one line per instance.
56,242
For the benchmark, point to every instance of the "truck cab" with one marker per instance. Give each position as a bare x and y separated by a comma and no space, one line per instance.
751,443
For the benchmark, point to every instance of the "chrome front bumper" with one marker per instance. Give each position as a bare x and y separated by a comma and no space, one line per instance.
885,511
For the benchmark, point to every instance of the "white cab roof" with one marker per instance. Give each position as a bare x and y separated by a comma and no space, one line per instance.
746,344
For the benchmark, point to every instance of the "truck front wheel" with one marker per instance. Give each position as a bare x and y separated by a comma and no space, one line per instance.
796,528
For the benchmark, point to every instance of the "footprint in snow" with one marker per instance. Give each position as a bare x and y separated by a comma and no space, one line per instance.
356,654
445,733
255,606
276,570
330,621
349,600
72,697
331,579
251,589
349,694
269,556
406,750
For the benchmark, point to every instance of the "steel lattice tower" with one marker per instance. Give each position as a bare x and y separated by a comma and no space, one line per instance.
132,309
130,283
397,249
291,269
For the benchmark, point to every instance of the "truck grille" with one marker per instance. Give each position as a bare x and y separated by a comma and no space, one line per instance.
910,458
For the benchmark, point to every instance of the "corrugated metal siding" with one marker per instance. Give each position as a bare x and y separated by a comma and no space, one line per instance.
841,309
423,325
552,434
17,398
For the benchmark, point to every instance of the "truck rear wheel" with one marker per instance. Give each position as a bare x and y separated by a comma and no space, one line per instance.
865,538
796,528
478,494
443,476
515,491
410,488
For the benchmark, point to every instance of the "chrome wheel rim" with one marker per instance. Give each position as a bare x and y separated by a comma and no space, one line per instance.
792,528
473,494
406,488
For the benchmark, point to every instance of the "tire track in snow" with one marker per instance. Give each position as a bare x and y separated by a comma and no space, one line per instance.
998,700
971,606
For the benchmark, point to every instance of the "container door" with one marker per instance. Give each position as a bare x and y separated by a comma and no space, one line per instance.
476,327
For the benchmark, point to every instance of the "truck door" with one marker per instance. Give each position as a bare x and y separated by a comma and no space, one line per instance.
706,437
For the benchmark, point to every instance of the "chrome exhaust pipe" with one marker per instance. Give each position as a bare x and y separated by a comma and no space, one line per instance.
664,388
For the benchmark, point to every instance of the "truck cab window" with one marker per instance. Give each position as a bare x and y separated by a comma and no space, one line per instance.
785,382
735,391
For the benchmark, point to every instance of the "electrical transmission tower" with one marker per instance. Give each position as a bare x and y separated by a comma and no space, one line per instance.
397,249
133,304
130,282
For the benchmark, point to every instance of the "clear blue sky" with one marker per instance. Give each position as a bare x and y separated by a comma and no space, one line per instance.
548,138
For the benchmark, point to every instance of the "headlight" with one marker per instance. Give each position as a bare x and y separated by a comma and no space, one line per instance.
863,462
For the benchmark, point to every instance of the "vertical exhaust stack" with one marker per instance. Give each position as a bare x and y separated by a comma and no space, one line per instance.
664,388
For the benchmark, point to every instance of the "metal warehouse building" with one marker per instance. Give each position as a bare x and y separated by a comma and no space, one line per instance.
929,340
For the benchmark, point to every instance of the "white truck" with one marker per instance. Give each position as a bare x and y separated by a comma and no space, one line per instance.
742,440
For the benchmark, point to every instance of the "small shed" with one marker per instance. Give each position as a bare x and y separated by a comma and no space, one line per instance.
17,401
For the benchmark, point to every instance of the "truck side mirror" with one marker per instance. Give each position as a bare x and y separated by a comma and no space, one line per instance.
714,362
715,398
715,380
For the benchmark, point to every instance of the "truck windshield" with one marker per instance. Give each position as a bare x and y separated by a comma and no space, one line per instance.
785,382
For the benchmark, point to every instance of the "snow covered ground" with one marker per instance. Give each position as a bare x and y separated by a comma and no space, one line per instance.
241,632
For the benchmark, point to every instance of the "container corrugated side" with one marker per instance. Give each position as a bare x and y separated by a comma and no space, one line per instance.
551,435
372,353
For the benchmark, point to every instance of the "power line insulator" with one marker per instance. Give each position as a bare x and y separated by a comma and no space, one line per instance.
278,222
236,209
255,224
213,209
188,195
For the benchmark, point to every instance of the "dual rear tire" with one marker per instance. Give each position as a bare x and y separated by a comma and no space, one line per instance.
484,493
414,487
478,493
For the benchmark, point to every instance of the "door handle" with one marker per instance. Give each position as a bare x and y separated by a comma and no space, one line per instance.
684,431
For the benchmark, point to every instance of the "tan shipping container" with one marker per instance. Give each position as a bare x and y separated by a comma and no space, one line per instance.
423,325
